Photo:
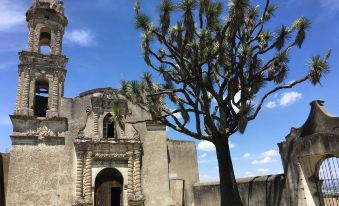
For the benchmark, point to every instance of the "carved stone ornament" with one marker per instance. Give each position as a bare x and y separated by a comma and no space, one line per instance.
109,100
112,156
81,133
41,132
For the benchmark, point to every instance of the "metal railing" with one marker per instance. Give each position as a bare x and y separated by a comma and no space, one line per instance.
328,183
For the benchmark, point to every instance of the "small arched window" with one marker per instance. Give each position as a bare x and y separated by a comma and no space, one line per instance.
41,97
108,128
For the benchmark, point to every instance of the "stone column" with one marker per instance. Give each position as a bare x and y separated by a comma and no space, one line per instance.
135,196
18,95
79,181
30,37
55,97
137,175
130,184
57,43
25,94
96,125
88,177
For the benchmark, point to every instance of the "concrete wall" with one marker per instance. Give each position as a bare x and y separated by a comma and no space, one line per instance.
254,191
182,158
4,163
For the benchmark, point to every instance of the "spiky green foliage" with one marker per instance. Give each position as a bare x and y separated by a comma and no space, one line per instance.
213,62
318,67
302,24
166,8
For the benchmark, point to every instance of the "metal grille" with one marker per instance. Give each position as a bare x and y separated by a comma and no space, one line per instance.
328,183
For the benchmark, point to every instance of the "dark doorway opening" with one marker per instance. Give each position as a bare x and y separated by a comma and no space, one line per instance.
41,98
108,188
115,196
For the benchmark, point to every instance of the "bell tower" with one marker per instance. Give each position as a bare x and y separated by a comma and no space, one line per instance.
40,159
42,67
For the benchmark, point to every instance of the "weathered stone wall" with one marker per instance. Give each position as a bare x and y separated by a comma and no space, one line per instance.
4,163
155,167
254,191
40,175
183,165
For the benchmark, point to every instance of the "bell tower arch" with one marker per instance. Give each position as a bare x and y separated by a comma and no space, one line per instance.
42,70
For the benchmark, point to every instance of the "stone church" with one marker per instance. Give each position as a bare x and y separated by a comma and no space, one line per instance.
74,151
82,152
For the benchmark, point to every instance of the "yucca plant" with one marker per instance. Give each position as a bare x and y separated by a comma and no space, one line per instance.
214,65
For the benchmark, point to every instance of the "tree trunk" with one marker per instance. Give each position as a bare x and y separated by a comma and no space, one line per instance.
229,193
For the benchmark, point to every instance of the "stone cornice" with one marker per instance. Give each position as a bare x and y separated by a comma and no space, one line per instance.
155,126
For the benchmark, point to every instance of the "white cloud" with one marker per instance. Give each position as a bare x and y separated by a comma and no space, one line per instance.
206,146
203,155
263,170
330,5
248,174
285,99
231,145
265,160
246,155
267,157
289,98
270,153
271,105
12,15
81,37
178,115
208,178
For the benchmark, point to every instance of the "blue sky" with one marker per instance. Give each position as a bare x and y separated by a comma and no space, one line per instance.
103,47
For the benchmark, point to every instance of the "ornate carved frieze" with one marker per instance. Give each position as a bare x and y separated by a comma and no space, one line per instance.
37,59
40,132
111,156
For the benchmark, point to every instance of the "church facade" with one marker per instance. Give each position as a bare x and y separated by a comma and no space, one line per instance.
77,151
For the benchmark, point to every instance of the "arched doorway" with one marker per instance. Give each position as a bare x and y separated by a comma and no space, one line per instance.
328,182
108,188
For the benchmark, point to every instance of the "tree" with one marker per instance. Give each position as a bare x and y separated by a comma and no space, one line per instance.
216,70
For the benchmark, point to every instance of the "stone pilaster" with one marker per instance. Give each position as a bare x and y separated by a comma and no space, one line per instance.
79,181
96,125
137,175
58,43
135,196
55,97
84,179
30,38
88,178
130,177
25,94
18,94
